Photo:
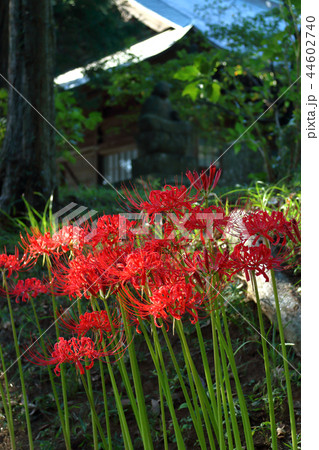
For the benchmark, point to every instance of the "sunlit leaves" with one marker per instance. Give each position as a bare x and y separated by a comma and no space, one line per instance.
187,73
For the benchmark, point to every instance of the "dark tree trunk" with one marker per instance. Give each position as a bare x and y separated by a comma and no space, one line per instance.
27,162
4,18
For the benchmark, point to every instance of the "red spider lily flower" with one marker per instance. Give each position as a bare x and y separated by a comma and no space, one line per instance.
95,321
190,265
12,263
170,199
67,238
271,226
91,274
209,272
213,263
80,276
107,231
138,265
70,237
204,181
30,287
293,231
209,220
37,244
258,259
164,303
74,351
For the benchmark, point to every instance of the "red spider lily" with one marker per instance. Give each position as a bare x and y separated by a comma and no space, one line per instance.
137,266
96,321
107,231
67,238
271,226
30,287
37,244
70,237
204,181
257,259
293,231
74,351
80,276
170,199
209,219
189,265
12,263
213,263
208,272
168,301
91,274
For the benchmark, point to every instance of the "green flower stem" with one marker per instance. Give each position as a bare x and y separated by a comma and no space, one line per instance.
286,368
106,409
123,371
160,389
227,423
228,389
165,378
219,385
94,416
126,434
196,420
146,433
16,345
210,383
122,368
89,383
226,344
8,417
62,373
195,398
267,366
164,383
55,394
96,419
7,406
206,366
200,390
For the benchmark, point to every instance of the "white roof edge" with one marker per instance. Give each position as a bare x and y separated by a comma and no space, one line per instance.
137,52
147,16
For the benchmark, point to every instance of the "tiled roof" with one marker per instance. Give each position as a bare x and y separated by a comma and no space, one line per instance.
138,52
175,16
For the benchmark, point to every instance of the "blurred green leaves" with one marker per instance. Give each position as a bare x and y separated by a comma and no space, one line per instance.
71,122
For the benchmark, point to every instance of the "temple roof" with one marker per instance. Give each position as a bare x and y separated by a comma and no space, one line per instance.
172,19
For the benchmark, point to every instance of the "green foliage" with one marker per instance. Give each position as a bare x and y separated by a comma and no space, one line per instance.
71,122
283,197
244,92
33,219
269,46
88,30
99,198
199,77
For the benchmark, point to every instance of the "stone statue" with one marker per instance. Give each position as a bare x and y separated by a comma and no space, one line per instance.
166,144
160,128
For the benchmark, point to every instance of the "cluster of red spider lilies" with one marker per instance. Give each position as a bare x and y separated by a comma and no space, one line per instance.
177,273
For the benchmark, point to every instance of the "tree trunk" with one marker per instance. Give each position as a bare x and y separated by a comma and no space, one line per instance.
27,164
4,14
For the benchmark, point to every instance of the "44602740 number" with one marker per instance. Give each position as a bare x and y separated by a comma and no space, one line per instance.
310,46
